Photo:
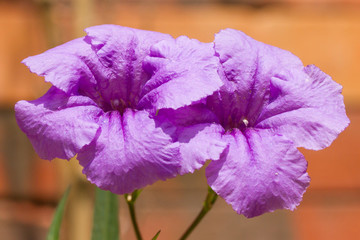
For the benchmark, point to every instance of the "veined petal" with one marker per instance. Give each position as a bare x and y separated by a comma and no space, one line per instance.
182,71
199,143
259,172
311,113
122,51
69,67
58,125
248,66
130,153
195,128
186,116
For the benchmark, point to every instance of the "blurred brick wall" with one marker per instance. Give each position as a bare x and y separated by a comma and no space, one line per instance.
325,33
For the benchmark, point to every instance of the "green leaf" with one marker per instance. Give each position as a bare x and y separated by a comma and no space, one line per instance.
106,216
54,230
156,235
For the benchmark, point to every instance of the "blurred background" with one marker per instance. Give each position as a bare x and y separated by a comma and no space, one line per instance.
321,32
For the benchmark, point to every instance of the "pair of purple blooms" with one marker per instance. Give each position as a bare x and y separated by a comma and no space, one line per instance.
138,106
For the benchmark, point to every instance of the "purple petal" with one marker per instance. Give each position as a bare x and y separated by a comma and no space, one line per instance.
69,66
311,113
199,143
57,125
195,128
122,50
130,153
183,71
186,116
248,66
259,172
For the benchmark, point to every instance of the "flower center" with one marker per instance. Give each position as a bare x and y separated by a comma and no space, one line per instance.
119,105
113,103
234,123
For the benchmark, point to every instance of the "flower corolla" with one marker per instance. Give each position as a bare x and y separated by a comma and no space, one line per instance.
107,88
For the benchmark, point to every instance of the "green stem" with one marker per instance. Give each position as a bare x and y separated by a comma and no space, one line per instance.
207,205
130,200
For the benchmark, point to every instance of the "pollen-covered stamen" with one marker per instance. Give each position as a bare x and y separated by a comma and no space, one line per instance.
245,122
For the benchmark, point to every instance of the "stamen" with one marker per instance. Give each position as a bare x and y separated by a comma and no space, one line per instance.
115,103
119,105
246,122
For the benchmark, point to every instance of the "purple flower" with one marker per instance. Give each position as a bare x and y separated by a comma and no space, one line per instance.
106,90
138,106
269,105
